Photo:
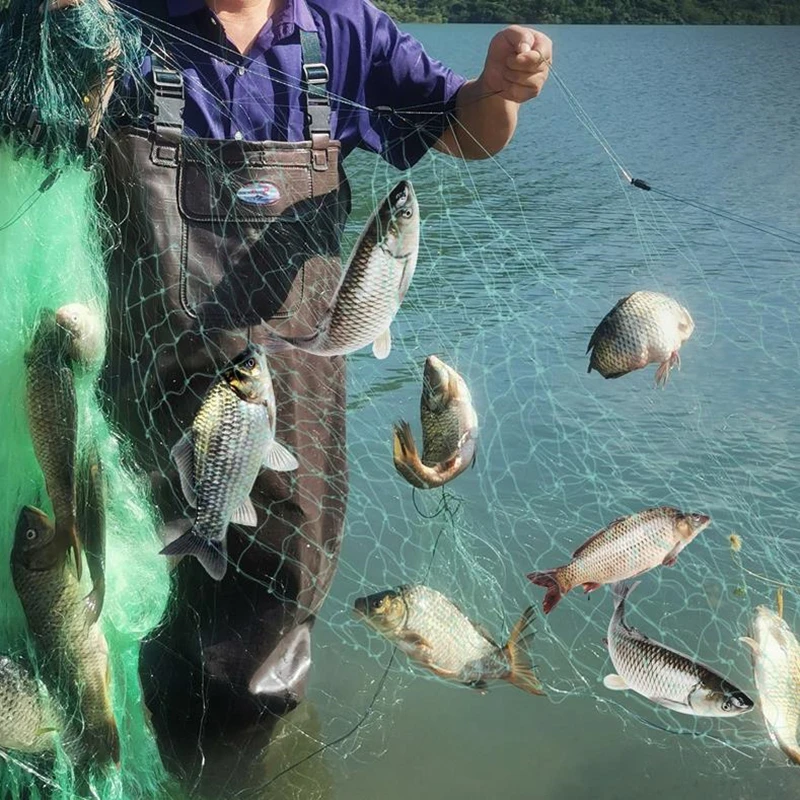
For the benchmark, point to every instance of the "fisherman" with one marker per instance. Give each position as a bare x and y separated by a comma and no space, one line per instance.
226,186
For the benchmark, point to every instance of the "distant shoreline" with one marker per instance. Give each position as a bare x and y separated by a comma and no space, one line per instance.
616,12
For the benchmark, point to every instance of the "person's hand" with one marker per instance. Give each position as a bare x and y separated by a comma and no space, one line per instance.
517,64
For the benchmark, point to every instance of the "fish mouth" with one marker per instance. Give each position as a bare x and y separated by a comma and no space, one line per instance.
360,607
402,195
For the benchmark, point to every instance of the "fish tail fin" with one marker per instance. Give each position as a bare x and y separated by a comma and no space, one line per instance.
550,580
520,672
209,552
68,532
406,456
620,592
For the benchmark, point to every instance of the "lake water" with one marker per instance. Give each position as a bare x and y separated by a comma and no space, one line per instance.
522,256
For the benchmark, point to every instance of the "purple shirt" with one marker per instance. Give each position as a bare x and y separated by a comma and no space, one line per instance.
257,97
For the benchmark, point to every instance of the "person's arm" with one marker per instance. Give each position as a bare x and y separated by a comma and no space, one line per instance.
517,65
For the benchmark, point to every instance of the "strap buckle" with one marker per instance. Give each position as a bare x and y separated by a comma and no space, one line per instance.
168,81
316,74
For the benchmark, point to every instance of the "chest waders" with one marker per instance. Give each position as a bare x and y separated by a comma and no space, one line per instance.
214,238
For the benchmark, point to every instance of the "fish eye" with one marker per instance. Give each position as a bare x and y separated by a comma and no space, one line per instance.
30,534
250,363
406,213
377,603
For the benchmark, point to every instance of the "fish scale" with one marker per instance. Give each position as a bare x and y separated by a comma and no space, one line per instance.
642,328
230,436
28,716
665,676
72,649
454,640
776,668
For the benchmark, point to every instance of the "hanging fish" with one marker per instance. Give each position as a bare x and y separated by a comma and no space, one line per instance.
449,430
642,328
29,718
53,421
434,633
85,327
776,666
663,675
91,495
374,283
72,649
231,440
626,547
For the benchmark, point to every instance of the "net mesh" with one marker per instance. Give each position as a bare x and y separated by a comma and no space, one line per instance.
504,298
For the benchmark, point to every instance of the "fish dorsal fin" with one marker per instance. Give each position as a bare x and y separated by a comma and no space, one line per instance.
245,514
278,458
382,346
183,458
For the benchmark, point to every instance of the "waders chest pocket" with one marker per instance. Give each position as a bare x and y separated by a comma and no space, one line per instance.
255,220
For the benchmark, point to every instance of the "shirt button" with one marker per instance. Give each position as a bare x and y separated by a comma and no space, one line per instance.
240,71
238,136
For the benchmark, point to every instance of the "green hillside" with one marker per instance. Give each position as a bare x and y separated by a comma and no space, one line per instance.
746,12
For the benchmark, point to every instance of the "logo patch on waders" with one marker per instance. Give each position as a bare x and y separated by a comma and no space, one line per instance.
259,193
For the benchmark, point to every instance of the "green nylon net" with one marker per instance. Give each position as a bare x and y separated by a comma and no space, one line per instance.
506,297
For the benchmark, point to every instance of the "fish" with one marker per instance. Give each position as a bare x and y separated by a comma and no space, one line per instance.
373,285
449,430
71,647
776,667
91,509
663,675
438,636
231,440
643,328
626,547
85,328
30,720
52,412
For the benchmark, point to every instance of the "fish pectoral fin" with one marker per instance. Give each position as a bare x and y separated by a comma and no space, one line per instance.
480,685
616,683
245,514
382,346
422,647
672,705
591,586
278,458
671,557
183,458
94,601
751,643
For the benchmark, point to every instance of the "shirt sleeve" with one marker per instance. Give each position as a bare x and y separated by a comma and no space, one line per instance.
412,96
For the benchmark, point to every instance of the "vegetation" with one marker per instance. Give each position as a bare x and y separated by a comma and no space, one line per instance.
701,12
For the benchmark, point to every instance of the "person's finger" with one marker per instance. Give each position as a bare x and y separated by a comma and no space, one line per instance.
521,88
544,46
525,62
520,40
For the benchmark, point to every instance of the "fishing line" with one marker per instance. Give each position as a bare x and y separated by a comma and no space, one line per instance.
583,117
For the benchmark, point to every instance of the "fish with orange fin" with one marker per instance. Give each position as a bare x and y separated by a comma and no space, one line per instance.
643,328
52,411
71,647
627,547
434,633
449,430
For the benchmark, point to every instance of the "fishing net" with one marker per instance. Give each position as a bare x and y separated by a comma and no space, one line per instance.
513,276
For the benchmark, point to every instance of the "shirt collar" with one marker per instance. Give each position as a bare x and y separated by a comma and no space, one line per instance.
295,14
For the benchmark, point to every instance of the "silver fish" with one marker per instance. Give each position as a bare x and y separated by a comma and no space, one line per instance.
437,635
231,440
626,547
776,666
663,675
449,430
71,647
29,718
642,328
374,283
